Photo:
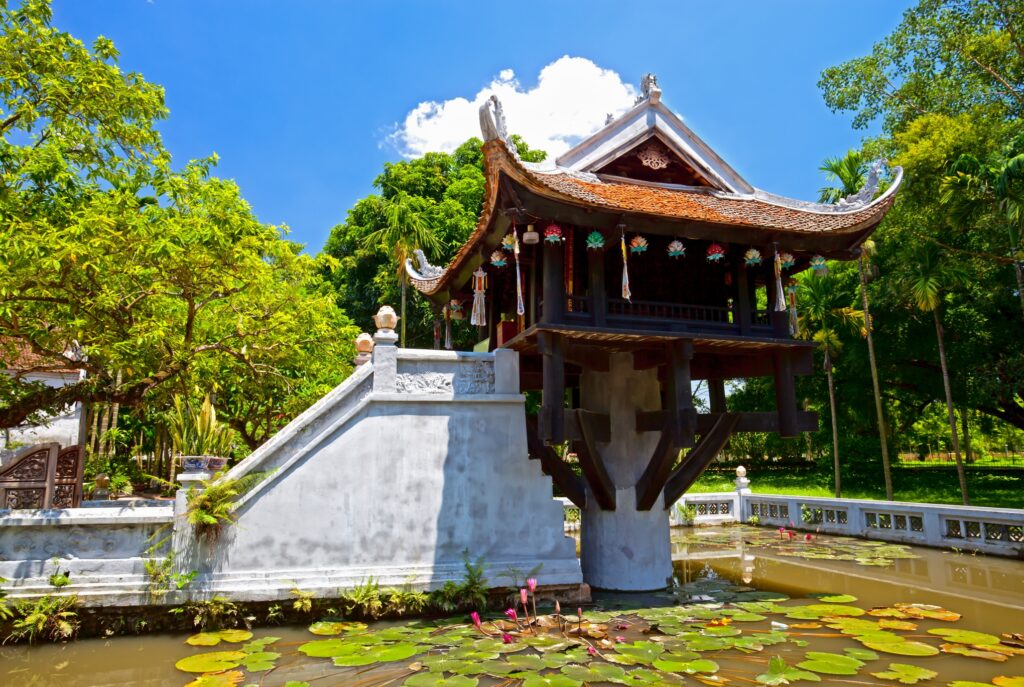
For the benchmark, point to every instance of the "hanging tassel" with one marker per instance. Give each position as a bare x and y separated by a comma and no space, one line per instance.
626,294
794,322
780,295
520,306
478,318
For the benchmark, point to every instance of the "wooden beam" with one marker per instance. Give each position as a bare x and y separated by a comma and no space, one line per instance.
649,487
598,289
785,394
594,472
716,394
744,312
553,283
691,467
588,357
645,359
748,422
552,411
561,474
680,421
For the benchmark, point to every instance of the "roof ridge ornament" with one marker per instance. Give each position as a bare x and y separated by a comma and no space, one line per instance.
867,192
426,271
492,124
649,90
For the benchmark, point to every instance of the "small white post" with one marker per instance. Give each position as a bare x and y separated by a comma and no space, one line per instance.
742,492
385,353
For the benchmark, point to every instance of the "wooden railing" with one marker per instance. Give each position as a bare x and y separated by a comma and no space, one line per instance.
43,476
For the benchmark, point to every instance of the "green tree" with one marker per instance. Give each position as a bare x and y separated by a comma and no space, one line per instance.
925,280
850,171
825,317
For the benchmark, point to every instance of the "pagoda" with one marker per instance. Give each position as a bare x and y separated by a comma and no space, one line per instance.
637,264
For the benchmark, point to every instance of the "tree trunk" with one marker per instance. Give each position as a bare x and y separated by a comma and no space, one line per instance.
835,426
1020,284
965,427
404,281
886,470
114,412
93,439
949,407
104,423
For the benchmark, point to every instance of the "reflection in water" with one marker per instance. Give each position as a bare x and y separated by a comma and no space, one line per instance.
988,592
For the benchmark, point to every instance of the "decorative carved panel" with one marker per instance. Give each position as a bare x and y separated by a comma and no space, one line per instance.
63,496
43,476
24,498
27,468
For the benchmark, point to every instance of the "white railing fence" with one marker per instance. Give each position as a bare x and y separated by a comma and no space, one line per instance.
997,531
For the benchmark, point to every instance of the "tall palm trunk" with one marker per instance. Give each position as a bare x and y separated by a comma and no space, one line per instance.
835,426
402,320
886,471
961,475
1020,284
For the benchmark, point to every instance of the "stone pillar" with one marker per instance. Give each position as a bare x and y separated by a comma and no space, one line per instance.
364,349
385,353
624,549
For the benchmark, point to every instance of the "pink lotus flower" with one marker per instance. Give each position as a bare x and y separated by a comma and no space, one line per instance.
512,615
592,651
808,536
507,638
475,617
558,608
522,596
790,536
620,639
532,584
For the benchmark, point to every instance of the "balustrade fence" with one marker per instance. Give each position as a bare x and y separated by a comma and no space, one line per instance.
997,531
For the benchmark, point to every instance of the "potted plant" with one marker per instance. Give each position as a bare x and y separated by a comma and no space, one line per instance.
200,441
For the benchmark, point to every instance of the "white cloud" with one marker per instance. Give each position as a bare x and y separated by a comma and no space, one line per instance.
570,101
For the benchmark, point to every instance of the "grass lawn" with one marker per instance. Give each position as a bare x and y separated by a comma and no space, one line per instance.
1002,491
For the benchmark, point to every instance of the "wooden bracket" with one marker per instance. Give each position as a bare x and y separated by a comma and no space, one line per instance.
597,477
567,481
711,442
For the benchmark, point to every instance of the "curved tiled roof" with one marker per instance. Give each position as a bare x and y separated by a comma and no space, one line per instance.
759,210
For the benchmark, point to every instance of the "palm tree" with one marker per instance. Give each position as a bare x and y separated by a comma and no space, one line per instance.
825,316
851,171
925,282
404,231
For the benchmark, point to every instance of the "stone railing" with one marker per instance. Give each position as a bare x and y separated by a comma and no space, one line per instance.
998,531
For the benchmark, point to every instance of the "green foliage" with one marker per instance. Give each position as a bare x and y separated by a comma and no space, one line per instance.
210,508
211,614
304,600
5,607
48,617
363,600
198,433
163,578
470,594
59,578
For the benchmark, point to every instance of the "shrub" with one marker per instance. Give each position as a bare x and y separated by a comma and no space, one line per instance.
49,617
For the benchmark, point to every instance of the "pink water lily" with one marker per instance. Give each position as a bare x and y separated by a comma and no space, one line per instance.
620,639
532,584
512,615
522,596
592,651
475,617
507,638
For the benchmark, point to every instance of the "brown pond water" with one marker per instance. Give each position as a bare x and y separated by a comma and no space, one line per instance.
987,592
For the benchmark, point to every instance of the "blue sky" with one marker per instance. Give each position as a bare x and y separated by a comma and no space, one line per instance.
302,100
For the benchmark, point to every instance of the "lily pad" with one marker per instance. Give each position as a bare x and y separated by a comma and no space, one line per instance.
835,598
815,611
387,653
779,673
215,638
641,652
436,680
325,627
903,648
1004,681
973,652
260,661
699,665
552,680
595,672
964,636
211,662
230,678
906,674
830,664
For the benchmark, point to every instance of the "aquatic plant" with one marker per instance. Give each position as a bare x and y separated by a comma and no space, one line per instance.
212,614
303,602
471,593
59,578
49,617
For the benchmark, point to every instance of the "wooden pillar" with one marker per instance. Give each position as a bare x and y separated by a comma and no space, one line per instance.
552,408
785,394
744,313
598,289
553,283
678,395
716,394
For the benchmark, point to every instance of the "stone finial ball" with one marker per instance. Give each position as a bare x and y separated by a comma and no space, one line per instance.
364,343
385,318
102,481
741,472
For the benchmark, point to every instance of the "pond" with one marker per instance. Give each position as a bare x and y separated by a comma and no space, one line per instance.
752,606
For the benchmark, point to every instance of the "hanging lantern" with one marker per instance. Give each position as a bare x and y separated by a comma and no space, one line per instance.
530,236
752,258
676,249
478,315
509,242
595,241
715,253
498,259
456,309
819,266
553,234
638,244
786,260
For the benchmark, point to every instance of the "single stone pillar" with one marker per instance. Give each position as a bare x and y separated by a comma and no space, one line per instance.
385,353
364,349
624,549
187,555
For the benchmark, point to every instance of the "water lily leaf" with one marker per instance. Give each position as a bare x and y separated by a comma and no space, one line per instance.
1004,681
721,631
260,661
440,663
830,664
815,611
215,638
905,673
595,672
748,617
892,624
902,648
805,626
921,611
964,636
835,598
388,653
700,665
781,674
492,668
640,677
259,644
324,648
552,680
296,683
325,627
972,652
641,652
526,662
436,680
969,683
211,662
861,654
229,679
